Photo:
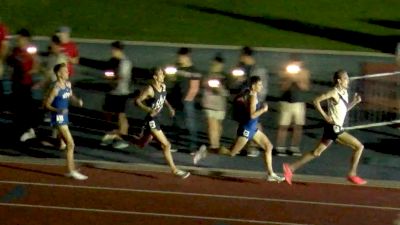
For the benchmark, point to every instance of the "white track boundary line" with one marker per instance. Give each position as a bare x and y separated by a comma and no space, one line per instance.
372,125
374,75
228,47
146,214
343,205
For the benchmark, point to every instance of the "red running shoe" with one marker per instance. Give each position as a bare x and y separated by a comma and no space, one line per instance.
356,180
287,173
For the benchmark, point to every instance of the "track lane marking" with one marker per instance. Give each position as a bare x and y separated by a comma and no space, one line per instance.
149,214
344,205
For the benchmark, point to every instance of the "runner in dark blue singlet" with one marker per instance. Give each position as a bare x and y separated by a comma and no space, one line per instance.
247,129
156,94
57,103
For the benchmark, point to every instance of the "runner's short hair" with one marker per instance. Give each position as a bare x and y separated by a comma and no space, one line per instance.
337,75
58,67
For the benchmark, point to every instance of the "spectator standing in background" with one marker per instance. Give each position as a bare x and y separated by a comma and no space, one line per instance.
3,54
69,48
24,63
294,83
115,101
187,85
214,100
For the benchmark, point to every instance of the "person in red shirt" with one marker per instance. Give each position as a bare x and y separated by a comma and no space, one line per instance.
3,46
69,48
3,53
24,63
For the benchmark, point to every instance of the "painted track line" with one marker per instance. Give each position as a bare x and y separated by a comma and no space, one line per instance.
191,194
147,214
229,47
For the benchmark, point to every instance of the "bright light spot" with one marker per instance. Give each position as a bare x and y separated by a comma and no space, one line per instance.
109,73
31,49
170,70
293,68
214,83
237,72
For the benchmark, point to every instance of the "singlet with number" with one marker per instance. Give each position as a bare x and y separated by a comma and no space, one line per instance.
60,102
338,110
157,102
253,122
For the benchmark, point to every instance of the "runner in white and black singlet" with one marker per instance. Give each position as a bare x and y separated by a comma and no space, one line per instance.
338,106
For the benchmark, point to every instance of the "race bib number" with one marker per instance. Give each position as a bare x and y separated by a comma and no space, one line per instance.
246,133
60,118
337,129
152,124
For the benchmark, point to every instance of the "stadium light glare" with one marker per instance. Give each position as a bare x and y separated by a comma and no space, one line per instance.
109,74
238,72
214,83
293,68
31,49
170,70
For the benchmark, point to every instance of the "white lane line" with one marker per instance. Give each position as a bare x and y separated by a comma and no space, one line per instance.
147,214
204,195
228,47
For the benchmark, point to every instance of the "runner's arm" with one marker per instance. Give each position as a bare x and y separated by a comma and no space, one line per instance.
317,103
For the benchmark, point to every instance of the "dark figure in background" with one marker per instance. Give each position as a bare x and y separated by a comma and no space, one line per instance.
115,101
214,102
185,90
24,63
69,48
294,83
3,54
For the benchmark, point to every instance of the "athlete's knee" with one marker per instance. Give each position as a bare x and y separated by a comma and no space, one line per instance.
70,145
316,152
359,147
166,145
268,148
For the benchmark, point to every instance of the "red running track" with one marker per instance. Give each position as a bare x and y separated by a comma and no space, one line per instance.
39,194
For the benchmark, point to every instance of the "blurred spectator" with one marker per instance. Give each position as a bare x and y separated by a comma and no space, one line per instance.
294,82
247,61
187,85
3,54
24,63
53,57
119,75
214,101
68,47
3,46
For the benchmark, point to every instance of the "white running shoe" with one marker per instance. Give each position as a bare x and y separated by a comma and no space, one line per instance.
76,175
182,174
200,154
121,144
107,140
30,134
275,178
